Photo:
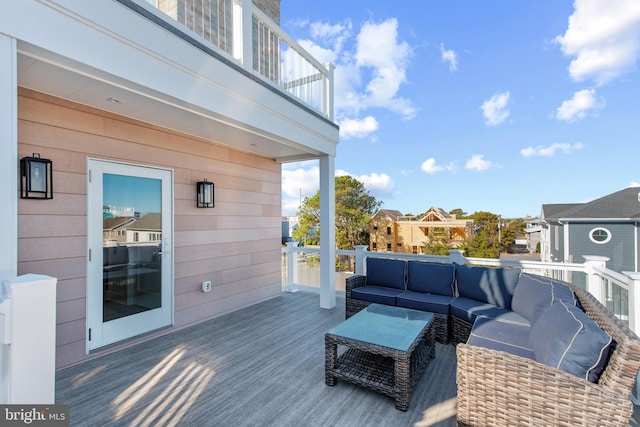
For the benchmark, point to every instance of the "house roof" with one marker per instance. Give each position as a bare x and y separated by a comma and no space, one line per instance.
393,214
439,212
623,204
113,223
150,221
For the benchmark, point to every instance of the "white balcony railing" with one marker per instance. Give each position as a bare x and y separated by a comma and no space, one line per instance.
614,290
286,64
239,30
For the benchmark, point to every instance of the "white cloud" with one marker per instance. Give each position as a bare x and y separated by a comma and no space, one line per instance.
370,70
495,109
478,163
431,167
603,37
358,128
302,179
634,184
305,180
379,51
549,151
450,57
379,185
577,107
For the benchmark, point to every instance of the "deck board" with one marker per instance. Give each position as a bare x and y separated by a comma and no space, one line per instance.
259,366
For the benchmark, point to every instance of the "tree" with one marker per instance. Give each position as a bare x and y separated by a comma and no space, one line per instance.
439,242
354,208
484,242
308,220
459,213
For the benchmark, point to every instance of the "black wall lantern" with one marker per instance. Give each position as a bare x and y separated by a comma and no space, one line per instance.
204,194
36,178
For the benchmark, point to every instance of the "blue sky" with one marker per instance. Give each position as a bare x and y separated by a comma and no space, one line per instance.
498,106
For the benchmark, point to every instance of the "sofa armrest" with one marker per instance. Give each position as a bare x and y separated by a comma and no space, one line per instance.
498,388
353,282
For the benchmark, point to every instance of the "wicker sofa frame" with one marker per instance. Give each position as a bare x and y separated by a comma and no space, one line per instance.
497,388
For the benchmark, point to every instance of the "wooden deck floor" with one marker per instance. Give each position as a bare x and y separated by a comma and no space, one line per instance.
261,366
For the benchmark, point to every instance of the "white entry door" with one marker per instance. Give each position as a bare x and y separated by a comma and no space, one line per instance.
130,262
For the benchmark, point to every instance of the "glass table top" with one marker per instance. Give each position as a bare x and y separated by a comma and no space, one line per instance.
387,326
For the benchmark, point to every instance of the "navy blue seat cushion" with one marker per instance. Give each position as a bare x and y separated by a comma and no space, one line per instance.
430,277
425,302
535,293
566,338
388,273
377,294
491,285
469,309
495,334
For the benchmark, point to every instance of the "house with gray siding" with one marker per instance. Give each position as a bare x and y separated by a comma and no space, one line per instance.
608,227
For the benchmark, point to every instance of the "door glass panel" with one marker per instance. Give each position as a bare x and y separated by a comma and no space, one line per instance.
132,245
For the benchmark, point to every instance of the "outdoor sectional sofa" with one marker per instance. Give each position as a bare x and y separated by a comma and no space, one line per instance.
531,351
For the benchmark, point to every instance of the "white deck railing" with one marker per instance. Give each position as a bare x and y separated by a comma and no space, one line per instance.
263,49
614,290
288,65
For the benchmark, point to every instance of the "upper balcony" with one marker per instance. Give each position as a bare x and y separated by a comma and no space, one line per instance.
251,87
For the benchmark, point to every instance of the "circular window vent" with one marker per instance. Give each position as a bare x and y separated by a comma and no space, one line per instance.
600,235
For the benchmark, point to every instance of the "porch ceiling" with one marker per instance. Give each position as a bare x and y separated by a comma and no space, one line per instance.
45,72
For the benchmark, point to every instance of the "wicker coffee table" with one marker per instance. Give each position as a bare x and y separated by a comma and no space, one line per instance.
386,349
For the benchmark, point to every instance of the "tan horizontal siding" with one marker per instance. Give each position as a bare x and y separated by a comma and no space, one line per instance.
236,245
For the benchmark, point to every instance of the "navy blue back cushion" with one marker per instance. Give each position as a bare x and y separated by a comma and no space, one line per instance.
389,273
566,338
491,285
535,293
430,277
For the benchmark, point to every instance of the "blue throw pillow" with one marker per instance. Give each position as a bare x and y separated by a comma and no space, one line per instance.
566,338
534,294
491,285
388,273
430,277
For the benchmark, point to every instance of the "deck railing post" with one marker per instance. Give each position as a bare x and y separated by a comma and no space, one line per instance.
327,107
292,264
594,281
243,32
457,256
360,256
634,300
634,320
28,340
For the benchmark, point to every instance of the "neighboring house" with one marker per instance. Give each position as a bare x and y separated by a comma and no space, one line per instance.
391,231
608,226
115,230
534,231
145,230
134,109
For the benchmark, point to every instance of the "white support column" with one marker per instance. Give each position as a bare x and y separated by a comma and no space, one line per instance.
243,32
327,232
594,282
8,158
360,256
